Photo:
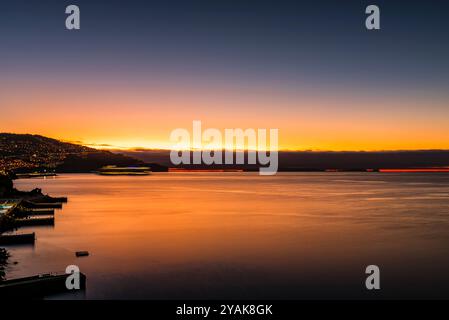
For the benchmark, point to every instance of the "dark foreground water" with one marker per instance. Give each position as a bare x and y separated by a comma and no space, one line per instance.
235,235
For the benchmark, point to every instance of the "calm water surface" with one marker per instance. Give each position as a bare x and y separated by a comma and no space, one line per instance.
238,235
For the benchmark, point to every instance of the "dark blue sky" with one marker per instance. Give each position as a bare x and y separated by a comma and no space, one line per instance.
138,69
297,42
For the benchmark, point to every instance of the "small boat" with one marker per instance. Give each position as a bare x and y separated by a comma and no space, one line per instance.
124,171
38,286
6,207
23,238
82,253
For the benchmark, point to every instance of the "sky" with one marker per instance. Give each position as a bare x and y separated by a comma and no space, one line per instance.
136,70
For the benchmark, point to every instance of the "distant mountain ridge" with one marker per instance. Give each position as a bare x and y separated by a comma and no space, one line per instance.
26,152
324,160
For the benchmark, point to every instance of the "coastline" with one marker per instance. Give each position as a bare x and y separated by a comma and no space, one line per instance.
21,209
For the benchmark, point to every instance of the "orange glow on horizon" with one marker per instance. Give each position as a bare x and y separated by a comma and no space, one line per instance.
115,116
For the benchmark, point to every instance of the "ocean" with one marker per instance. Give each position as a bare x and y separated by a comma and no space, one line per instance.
245,236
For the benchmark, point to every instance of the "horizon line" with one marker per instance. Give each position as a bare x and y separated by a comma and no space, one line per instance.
109,147
140,149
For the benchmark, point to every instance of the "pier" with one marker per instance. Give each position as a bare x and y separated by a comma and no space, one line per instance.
38,212
25,222
37,286
24,238
43,205
35,175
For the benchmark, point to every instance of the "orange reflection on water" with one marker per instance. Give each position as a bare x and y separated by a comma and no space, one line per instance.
234,235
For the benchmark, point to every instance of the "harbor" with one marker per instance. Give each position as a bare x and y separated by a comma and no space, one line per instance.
28,210
17,238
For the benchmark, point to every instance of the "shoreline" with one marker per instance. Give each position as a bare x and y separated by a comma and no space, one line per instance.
24,209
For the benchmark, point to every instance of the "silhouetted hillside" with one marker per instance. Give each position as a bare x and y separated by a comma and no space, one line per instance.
92,161
25,152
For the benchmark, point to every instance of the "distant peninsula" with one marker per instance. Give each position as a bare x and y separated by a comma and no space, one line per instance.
20,153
